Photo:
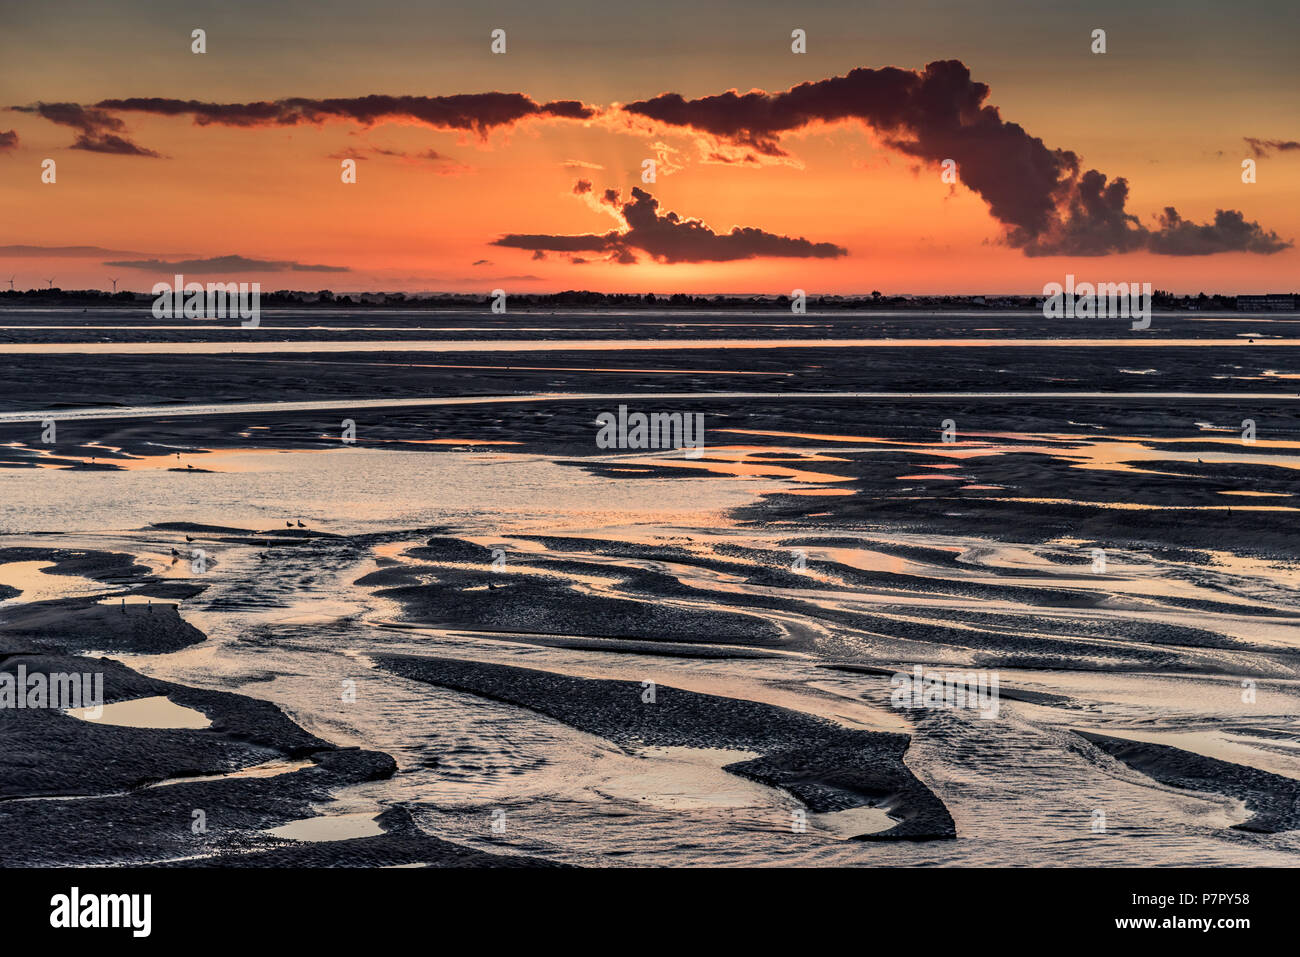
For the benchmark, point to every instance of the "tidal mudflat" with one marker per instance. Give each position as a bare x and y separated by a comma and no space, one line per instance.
464,634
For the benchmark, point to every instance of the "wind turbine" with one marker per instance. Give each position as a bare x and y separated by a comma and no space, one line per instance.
51,282
11,283
114,282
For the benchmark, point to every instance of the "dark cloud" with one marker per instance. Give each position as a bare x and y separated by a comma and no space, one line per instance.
8,140
112,143
1228,233
1093,222
668,237
225,264
475,112
1047,202
97,131
1262,148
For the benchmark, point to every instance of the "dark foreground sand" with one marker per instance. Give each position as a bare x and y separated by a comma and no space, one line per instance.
76,792
1275,800
826,767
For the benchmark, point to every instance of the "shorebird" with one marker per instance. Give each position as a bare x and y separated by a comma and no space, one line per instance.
288,524
261,556
188,466
300,524
188,539
175,554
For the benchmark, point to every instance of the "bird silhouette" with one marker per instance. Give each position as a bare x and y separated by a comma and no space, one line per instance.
188,539
288,524
174,553
300,524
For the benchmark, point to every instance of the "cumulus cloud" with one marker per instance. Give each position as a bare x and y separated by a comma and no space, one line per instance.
1228,233
667,237
224,264
1048,203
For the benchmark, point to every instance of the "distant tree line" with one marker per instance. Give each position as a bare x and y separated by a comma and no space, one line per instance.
586,299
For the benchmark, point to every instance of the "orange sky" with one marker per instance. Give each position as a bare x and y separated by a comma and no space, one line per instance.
275,193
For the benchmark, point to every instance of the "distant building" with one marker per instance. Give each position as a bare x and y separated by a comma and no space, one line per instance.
1270,303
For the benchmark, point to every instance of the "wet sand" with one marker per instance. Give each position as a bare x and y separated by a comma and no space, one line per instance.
770,614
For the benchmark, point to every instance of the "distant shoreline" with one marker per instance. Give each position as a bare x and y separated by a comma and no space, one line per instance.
598,301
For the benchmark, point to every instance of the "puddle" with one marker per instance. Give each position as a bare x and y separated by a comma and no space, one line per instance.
682,778
269,769
339,827
854,822
155,712
35,585
742,469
